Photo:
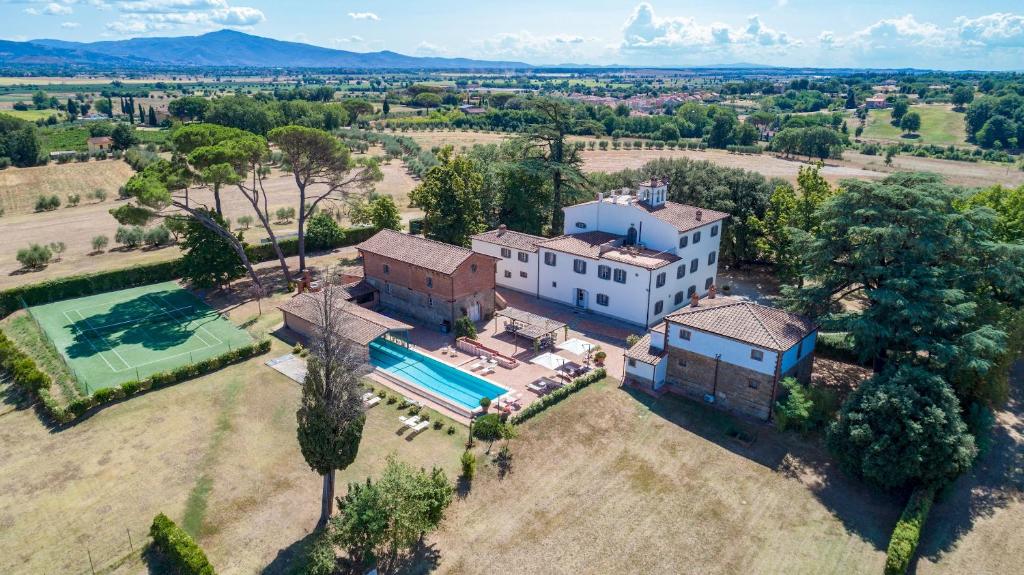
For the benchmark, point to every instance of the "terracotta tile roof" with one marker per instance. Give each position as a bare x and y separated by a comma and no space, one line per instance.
429,254
357,324
586,244
589,245
643,352
759,325
647,259
681,216
356,289
511,239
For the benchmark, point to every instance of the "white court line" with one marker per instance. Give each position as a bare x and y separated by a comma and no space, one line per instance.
89,339
201,326
205,347
161,303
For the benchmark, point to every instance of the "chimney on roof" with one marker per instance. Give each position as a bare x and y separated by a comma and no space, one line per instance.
502,229
700,214
694,300
712,291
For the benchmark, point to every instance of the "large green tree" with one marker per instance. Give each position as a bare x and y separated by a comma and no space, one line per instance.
902,428
323,169
1008,205
548,152
450,199
901,269
331,417
379,520
208,260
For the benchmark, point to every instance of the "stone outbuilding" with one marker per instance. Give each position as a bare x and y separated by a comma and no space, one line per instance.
726,351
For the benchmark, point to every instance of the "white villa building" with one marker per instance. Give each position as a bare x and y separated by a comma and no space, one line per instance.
630,255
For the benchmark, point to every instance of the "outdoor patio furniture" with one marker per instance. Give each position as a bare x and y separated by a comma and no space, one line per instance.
487,371
409,420
476,366
371,402
537,387
368,395
418,427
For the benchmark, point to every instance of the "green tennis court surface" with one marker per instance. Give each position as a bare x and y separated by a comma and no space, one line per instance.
125,335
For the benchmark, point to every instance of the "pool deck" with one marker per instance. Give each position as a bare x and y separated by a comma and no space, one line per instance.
609,334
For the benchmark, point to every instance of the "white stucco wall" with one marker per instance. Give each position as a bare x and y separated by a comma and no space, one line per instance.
511,265
626,301
732,351
641,370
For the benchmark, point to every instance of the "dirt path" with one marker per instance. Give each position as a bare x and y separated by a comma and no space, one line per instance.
978,527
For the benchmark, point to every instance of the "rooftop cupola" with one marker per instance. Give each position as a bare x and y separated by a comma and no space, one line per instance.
654,191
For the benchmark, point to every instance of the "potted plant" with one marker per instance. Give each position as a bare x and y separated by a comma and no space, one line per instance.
599,357
485,403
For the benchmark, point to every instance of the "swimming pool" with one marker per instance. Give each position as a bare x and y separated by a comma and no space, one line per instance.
436,377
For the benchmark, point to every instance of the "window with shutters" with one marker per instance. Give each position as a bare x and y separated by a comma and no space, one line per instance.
579,266
620,276
549,258
524,257
604,272
660,280
506,253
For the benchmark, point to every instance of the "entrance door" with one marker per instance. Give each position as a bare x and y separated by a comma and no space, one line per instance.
474,312
581,298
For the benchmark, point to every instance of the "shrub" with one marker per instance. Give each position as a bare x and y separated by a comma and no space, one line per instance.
99,243
558,395
244,222
632,340
907,532
47,203
322,232
319,558
468,461
157,236
487,427
35,256
73,200
438,424
392,400
21,367
485,402
285,215
793,411
130,236
451,430
179,547
464,327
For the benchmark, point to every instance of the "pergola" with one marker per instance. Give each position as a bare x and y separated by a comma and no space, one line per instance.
527,324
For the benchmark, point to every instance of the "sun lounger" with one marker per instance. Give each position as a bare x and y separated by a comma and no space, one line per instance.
371,402
409,421
487,371
476,366
419,427
537,387
368,395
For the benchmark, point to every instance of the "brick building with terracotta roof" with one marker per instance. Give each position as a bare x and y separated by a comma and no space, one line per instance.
434,282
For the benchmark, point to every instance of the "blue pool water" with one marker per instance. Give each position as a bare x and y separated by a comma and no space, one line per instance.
441,379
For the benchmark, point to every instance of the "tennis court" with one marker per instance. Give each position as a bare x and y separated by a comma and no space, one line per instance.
109,338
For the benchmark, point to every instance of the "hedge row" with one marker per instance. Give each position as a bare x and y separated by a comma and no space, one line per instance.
88,284
558,395
905,536
290,247
20,366
106,395
179,547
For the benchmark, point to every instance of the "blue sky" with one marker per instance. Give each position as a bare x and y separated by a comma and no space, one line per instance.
985,34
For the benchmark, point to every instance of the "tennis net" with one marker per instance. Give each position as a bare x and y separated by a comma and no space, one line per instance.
163,316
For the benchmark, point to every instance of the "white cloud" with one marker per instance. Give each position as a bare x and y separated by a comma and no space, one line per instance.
998,30
69,25
428,49
649,36
364,16
524,45
142,17
55,9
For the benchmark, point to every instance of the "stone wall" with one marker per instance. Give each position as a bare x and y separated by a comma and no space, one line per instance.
738,389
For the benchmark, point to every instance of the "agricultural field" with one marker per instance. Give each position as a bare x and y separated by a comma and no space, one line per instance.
940,125
76,226
32,115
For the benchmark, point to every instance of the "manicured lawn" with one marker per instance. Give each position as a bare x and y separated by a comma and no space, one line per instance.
939,125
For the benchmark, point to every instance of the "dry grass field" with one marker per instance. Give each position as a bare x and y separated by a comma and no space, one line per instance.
78,225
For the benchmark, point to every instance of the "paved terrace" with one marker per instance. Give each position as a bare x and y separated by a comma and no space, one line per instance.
607,333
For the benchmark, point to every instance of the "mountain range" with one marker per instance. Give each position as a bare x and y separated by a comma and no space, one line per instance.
222,48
